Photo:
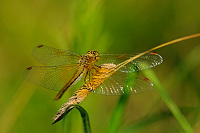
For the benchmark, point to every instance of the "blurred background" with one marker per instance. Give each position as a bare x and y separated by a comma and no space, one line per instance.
129,26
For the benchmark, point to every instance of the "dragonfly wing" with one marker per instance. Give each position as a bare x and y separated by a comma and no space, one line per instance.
50,77
145,61
54,57
124,83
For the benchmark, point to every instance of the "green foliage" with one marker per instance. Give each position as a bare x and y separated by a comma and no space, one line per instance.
107,27
169,102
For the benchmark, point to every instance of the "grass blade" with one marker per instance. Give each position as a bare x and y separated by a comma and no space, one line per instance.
116,117
168,101
84,116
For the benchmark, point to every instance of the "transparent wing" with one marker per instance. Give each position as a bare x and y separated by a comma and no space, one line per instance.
124,83
150,60
50,77
54,57
125,80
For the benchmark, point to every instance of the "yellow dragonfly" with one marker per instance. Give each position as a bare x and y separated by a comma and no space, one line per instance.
64,68
102,73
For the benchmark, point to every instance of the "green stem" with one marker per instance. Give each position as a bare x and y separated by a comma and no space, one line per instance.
115,121
84,116
169,102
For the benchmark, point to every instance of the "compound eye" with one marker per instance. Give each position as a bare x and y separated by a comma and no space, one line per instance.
96,53
89,52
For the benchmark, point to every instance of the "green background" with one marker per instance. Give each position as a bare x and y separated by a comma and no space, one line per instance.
107,27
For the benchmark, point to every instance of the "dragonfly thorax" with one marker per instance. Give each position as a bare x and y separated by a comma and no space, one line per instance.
90,58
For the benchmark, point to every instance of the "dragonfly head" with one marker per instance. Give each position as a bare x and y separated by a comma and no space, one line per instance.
93,56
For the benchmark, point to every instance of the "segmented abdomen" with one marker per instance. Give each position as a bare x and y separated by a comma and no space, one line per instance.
100,75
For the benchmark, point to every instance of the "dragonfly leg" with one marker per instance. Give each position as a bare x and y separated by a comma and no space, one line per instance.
97,68
76,98
85,79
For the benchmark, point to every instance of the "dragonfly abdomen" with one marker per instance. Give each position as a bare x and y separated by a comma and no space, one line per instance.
78,74
76,98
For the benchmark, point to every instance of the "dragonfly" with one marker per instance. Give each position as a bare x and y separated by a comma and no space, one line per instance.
63,68
102,73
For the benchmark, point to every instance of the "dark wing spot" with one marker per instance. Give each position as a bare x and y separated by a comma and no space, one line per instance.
29,68
153,53
39,46
146,79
